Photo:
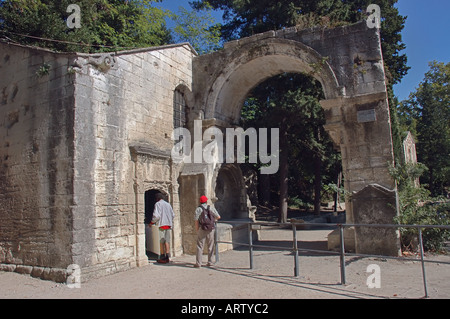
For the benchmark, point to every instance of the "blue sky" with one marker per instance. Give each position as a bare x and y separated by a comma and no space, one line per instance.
426,35
427,38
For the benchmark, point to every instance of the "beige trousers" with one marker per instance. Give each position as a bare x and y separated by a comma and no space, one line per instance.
201,237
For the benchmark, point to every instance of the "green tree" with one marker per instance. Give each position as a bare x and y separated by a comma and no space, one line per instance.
418,207
198,28
106,25
427,114
291,103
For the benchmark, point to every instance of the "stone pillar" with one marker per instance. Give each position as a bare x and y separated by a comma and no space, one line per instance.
192,186
376,205
177,236
360,127
141,257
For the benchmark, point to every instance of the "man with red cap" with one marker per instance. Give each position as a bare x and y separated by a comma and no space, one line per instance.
205,216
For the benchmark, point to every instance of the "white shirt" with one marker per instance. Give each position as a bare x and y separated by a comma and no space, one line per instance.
163,214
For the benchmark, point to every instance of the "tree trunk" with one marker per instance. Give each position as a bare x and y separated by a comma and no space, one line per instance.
284,177
336,194
317,184
317,176
264,189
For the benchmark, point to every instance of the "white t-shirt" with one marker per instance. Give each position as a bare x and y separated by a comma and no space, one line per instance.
163,214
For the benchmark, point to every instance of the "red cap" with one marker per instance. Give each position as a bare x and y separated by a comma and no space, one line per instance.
203,199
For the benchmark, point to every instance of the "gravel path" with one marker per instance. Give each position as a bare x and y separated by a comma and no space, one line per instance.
271,278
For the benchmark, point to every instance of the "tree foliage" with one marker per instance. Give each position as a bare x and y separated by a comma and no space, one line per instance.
198,28
427,115
105,24
418,207
290,102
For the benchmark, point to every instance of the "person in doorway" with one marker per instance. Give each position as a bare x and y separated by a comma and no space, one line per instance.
163,215
205,217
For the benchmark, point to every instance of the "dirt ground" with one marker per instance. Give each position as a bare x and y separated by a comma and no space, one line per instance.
271,278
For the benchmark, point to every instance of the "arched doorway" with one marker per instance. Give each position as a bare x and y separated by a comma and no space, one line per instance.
254,64
152,246
230,193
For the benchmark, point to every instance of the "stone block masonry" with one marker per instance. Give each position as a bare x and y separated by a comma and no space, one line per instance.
36,167
71,189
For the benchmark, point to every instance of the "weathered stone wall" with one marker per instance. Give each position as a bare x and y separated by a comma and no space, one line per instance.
79,148
354,54
346,60
191,186
36,161
125,102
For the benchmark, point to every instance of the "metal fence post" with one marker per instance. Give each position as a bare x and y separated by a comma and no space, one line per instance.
294,230
423,263
250,245
342,252
216,240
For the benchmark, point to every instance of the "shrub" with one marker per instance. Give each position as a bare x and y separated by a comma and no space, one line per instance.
417,207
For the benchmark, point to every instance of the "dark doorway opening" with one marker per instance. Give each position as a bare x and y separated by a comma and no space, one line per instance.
151,248
228,194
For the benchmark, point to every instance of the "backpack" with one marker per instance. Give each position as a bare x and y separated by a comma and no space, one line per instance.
206,219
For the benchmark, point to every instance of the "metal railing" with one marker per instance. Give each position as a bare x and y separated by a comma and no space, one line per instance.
251,226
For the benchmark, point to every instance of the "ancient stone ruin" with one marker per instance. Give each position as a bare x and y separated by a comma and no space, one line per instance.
86,142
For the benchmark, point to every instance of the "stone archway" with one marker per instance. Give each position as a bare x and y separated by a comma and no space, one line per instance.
231,198
348,62
253,65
